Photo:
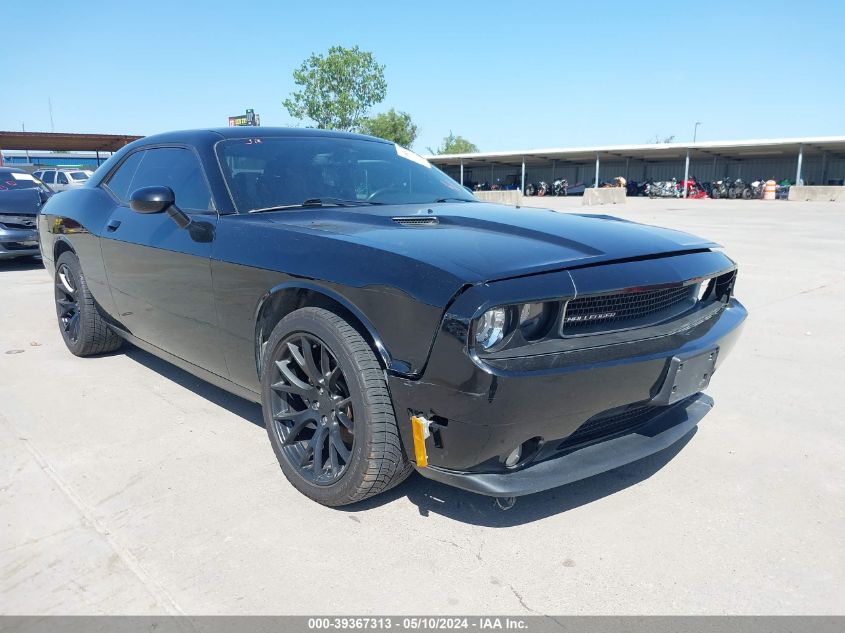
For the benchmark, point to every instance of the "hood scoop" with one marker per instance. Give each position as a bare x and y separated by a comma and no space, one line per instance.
417,220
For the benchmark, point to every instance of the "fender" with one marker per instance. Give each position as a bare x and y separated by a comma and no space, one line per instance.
392,366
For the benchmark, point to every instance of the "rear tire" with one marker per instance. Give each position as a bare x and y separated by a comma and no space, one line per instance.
81,322
327,410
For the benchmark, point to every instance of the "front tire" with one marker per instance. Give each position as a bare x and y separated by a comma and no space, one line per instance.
82,325
327,410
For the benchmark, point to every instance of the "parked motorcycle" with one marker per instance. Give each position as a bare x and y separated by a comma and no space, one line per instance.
757,189
530,189
694,189
560,186
739,190
719,189
665,189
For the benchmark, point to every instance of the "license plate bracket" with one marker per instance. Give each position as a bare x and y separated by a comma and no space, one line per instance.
687,375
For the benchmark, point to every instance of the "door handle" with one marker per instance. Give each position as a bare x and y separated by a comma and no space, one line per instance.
113,225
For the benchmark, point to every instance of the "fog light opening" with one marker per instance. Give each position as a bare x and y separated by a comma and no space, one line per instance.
523,453
512,460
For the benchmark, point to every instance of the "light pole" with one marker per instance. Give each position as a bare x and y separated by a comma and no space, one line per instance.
695,131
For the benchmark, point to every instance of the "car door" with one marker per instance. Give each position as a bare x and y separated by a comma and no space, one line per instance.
49,179
160,274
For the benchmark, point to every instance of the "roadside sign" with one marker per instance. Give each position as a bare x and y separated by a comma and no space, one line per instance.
250,118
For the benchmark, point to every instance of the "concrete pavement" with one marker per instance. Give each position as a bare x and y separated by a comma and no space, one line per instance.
128,486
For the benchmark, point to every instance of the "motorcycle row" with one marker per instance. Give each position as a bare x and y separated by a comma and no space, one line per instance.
560,187
728,189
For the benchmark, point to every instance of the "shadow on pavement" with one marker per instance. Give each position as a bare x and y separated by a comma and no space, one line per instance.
20,264
434,497
431,496
244,408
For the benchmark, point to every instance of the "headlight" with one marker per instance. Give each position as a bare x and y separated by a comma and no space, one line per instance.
490,328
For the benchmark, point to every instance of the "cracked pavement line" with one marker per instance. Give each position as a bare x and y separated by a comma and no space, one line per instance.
156,590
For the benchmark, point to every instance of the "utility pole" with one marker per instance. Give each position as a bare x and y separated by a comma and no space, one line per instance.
50,107
23,129
695,131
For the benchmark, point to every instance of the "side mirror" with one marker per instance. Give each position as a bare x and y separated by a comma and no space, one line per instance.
158,199
151,199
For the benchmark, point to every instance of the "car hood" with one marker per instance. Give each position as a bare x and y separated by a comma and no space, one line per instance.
488,242
20,202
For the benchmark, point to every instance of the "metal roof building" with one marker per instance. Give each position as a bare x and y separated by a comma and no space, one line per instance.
42,143
815,160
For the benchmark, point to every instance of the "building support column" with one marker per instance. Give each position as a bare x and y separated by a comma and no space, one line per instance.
522,179
800,161
824,169
553,170
462,172
686,175
596,185
98,158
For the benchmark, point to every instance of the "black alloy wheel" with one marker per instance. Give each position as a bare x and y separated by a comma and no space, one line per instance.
82,323
328,411
311,409
67,303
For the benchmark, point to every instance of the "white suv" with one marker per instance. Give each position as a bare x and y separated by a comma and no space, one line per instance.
61,179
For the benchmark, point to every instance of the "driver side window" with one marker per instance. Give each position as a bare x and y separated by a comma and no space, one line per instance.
172,167
178,169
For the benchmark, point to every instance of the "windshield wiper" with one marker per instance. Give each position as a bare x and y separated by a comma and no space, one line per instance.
454,200
317,202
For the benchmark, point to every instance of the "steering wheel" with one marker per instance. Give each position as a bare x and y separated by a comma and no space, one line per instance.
381,191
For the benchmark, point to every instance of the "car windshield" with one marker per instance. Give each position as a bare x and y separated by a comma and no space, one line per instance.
79,175
266,173
13,180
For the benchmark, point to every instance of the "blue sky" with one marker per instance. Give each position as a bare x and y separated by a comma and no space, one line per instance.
506,75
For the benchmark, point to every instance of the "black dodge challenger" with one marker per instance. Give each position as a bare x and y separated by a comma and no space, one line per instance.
386,319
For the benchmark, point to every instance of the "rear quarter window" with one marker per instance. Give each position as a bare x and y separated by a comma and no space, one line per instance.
119,182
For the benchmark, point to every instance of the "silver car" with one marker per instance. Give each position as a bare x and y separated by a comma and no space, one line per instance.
62,179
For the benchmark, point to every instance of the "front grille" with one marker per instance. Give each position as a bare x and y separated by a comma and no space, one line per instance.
603,313
605,426
19,246
17,221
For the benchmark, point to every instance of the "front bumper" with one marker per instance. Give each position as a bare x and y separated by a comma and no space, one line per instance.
482,411
18,243
663,430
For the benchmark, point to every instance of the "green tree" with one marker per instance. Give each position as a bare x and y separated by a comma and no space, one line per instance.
454,145
338,88
392,126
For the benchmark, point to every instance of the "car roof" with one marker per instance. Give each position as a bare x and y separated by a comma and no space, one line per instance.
212,135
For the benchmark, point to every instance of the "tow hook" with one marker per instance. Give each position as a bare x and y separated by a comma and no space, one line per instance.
505,503
421,427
